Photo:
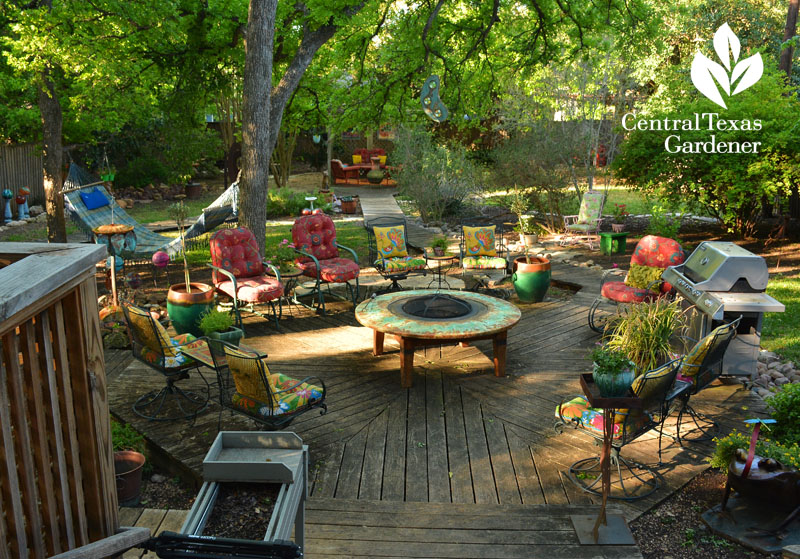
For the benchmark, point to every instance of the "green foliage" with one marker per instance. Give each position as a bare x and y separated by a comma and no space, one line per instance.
610,361
643,332
281,254
125,437
440,242
438,177
729,186
785,407
142,171
285,202
663,225
781,332
215,321
620,212
788,454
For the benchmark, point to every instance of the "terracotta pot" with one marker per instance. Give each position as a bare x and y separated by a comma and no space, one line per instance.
618,227
128,471
184,308
349,207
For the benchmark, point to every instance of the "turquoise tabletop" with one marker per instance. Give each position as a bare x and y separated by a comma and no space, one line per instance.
490,315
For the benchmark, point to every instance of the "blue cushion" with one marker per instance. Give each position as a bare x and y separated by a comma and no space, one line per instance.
94,199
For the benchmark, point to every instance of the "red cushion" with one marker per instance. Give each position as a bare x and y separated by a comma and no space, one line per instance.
236,251
316,235
621,293
660,252
333,270
253,290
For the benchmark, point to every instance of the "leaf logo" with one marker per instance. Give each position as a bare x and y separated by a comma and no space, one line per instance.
709,76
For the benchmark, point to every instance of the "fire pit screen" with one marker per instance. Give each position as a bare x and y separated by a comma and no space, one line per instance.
438,306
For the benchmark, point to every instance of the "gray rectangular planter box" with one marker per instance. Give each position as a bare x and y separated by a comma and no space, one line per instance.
261,457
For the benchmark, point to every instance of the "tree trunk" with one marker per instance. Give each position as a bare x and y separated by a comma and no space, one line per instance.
256,103
281,161
52,121
788,33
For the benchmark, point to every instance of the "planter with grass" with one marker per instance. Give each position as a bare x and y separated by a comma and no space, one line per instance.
439,246
531,278
218,326
613,372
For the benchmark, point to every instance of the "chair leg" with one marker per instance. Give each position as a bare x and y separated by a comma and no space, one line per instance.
595,324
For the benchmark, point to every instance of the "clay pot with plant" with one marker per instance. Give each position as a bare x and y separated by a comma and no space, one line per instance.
620,213
526,226
187,301
439,246
219,326
613,372
531,277
129,462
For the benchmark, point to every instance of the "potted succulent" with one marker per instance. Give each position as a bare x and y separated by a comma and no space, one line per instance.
187,301
613,372
439,246
218,325
620,213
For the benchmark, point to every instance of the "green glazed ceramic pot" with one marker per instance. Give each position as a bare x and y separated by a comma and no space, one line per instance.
613,385
184,308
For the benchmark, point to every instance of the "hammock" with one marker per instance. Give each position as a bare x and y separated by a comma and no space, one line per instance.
147,242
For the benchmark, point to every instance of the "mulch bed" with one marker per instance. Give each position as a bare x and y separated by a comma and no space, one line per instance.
242,510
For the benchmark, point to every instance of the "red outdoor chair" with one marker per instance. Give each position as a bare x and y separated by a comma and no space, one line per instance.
314,238
238,272
341,172
651,257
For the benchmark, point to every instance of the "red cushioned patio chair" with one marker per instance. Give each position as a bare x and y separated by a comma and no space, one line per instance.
651,257
238,272
314,238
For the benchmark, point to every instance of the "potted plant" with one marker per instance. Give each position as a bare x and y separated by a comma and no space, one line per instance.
187,301
644,332
348,205
129,461
282,256
531,277
218,325
439,246
613,372
620,213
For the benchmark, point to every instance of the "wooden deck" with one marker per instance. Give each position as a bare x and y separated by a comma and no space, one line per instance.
461,438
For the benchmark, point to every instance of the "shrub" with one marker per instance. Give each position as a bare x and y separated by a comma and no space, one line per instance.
662,224
142,171
215,321
787,454
610,361
785,405
125,437
284,201
438,177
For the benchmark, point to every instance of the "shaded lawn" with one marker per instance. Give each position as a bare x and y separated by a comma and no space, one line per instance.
781,331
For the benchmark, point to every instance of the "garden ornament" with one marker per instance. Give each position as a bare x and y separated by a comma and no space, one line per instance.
7,196
431,103
756,477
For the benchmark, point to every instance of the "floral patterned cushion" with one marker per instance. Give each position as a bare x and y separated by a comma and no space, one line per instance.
583,227
333,270
236,251
479,241
287,402
658,252
155,340
260,289
172,360
403,264
391,241
694,359
591,207
621,293
484,263
586,417
315,234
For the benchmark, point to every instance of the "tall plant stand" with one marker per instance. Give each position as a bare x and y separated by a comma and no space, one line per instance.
117,238
604,529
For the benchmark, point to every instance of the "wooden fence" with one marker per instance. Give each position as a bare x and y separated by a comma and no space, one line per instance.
57,484
21,165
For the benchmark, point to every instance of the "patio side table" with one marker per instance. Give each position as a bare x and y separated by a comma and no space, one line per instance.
290,281
443,264
609,407
613,243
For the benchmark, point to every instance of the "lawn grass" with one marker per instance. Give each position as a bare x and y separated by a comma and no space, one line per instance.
781,331
35,232
348,233
158,210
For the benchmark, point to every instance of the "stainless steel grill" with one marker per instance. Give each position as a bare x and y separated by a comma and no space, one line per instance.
724,281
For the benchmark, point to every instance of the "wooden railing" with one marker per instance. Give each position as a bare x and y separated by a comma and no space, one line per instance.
57,485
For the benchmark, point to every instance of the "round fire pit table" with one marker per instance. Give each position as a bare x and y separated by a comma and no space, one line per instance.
420,318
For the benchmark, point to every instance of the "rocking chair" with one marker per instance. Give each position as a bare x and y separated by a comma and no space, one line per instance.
388,250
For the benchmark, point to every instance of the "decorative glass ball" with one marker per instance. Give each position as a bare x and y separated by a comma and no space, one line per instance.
24,191
8,194
160,259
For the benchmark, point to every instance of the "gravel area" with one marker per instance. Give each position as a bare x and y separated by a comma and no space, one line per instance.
674,529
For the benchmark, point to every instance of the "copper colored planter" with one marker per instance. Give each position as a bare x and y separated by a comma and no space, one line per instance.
185,308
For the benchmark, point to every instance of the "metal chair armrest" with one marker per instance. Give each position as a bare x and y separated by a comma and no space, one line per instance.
226,273
311,256
608,273
350,250
275,270
570,219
